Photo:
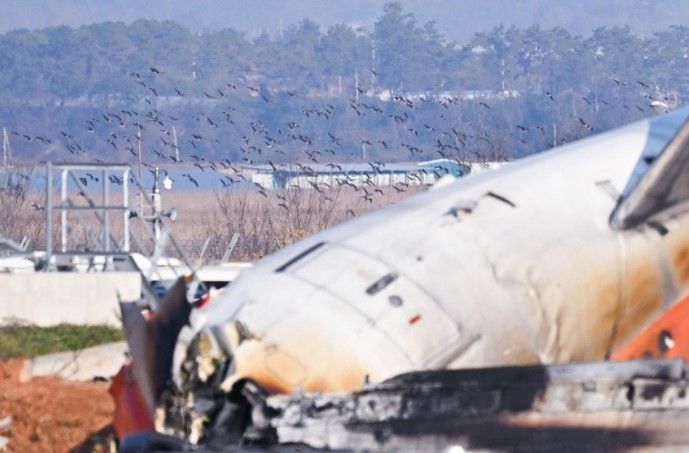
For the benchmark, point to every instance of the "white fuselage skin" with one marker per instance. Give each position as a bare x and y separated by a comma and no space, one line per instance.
514,266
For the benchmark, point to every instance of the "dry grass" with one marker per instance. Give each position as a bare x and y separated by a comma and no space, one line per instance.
271,221
265,220
20,214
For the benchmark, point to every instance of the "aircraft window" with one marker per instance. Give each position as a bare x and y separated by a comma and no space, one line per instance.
284,267
381,283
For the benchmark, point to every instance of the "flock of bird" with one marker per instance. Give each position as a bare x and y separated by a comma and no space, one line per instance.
224,140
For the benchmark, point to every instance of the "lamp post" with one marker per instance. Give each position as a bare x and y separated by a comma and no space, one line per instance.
157,205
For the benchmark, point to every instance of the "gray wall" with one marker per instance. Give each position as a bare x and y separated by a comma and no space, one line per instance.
47,299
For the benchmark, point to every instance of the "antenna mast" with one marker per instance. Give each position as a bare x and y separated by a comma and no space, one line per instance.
174,138
138,145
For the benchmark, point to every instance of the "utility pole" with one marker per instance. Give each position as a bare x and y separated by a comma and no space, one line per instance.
6,152
356,85
373,67
156,202
138,146
174,141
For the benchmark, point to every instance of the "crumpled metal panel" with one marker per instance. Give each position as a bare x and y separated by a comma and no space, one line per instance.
667,337
661,178
597,406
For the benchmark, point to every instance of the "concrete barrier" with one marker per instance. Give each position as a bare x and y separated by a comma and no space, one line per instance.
98,361
51,298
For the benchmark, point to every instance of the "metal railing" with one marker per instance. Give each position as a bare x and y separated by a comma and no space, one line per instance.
90,206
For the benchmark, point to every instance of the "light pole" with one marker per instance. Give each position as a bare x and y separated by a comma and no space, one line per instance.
156,202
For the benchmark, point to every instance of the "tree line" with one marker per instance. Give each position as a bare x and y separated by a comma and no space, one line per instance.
400,91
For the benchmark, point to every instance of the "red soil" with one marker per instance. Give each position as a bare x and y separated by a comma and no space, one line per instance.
50,414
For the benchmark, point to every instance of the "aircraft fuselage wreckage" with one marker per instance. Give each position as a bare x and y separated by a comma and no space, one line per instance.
510,277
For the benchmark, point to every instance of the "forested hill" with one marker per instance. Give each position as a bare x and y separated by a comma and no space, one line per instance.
456,19
399,91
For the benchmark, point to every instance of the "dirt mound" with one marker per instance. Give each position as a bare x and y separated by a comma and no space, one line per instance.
51,414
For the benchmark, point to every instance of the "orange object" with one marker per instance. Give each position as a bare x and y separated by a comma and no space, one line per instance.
131,413
667,337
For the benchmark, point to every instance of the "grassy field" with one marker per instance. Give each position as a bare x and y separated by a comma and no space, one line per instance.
276,219
30,341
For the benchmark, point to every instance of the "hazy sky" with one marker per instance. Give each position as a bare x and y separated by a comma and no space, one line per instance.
456,19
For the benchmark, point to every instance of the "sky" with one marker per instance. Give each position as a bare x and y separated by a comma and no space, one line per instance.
457,20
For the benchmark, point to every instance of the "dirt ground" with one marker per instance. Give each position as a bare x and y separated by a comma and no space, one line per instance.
53,414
